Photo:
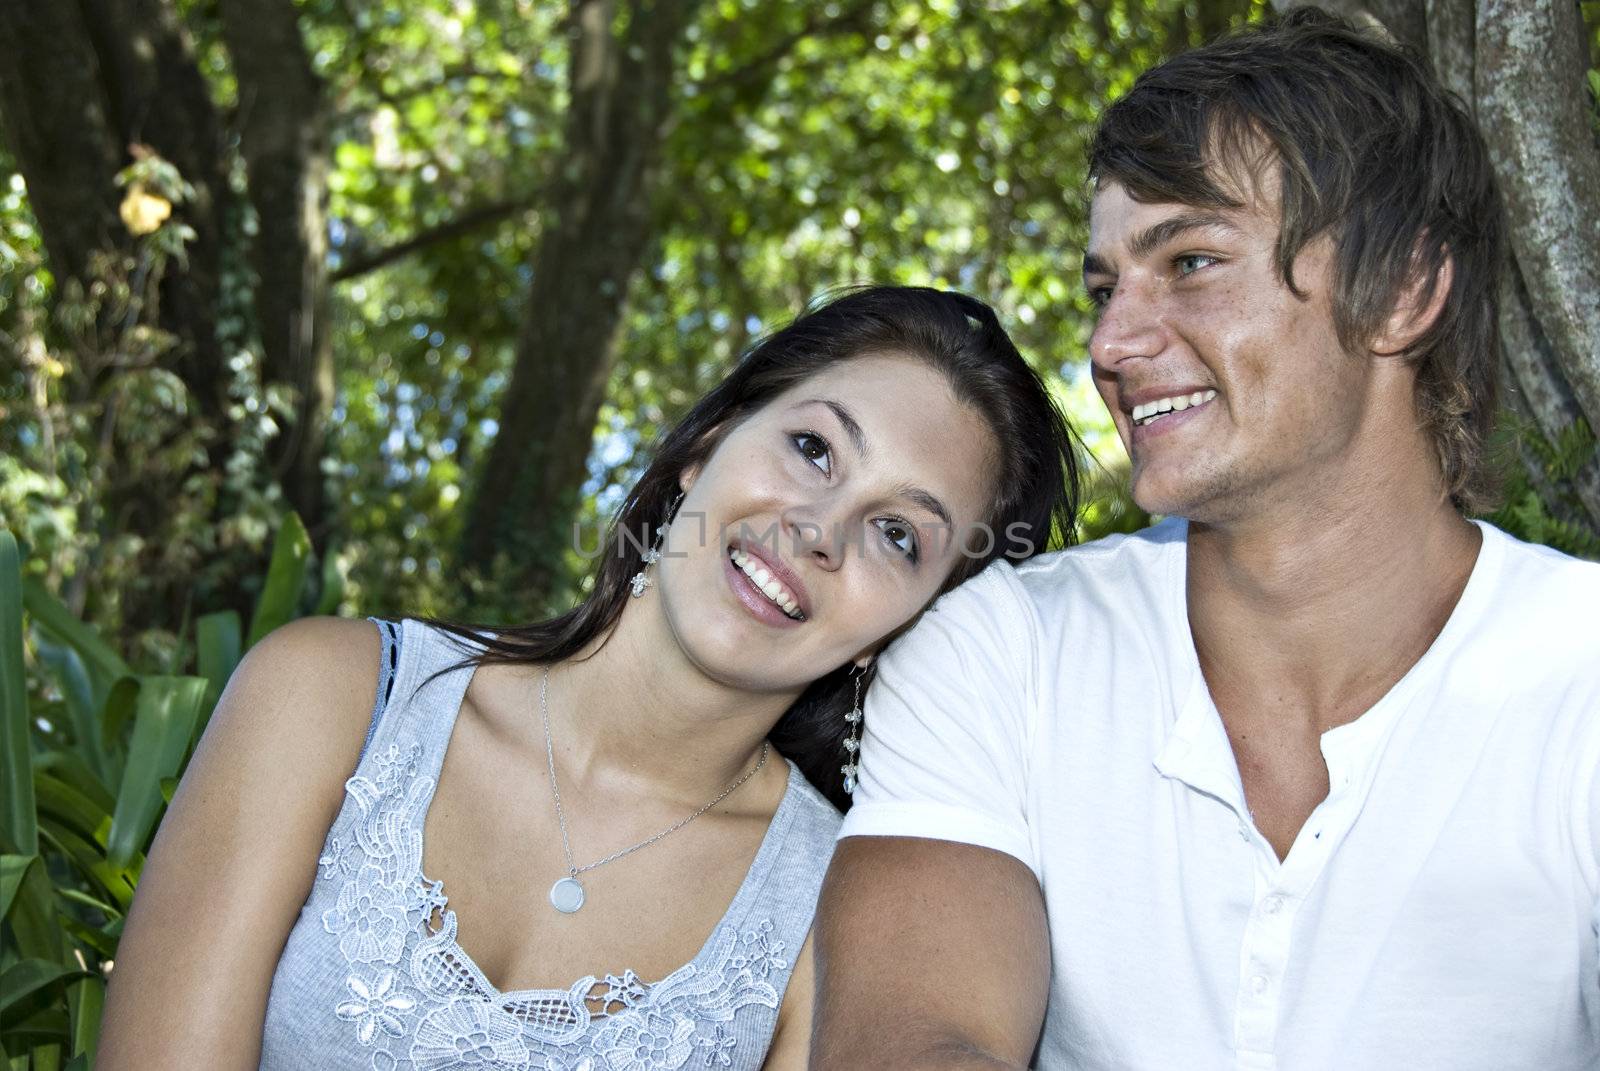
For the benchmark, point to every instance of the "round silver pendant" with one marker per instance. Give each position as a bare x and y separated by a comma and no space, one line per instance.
566,895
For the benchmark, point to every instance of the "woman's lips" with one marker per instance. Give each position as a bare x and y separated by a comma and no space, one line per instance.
754,600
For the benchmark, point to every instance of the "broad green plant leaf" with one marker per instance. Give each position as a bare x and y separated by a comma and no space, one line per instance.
286,578
163,725
13,868
87,1000
218,643
77,689
26,977
48,612
18,825
334,581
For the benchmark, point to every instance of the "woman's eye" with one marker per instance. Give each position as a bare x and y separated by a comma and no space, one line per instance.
1190,263
814,448
900,536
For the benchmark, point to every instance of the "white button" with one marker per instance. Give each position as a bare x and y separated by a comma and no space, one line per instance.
1272,904
1258,984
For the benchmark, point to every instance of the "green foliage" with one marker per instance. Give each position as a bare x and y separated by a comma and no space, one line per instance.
1541,504
90,749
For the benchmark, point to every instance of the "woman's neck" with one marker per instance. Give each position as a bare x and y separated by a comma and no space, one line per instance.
633,712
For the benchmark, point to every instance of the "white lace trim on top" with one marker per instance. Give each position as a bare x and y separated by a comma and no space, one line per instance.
412,993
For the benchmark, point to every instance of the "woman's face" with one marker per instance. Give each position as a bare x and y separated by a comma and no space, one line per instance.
824,522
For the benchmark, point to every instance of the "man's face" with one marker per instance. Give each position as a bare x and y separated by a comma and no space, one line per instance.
1230,392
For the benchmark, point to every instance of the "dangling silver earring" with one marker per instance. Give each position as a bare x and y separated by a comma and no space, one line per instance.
852,743
641,579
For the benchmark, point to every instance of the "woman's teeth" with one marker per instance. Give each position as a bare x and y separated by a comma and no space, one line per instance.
1151,411
766,583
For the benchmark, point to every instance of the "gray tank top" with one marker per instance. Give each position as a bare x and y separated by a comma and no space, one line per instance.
367,982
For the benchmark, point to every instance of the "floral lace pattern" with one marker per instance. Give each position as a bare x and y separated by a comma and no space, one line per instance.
416,999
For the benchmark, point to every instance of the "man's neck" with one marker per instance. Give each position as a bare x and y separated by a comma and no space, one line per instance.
1315,614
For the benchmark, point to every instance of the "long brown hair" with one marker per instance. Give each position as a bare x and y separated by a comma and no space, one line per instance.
1035,483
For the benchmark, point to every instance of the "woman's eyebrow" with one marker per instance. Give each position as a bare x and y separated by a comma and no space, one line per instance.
852,427
927,501
911,493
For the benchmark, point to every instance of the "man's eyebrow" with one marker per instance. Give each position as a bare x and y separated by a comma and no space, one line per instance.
927,501
852,428
1158,234
1093,265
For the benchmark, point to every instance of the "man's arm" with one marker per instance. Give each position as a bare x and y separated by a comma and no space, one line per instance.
930,954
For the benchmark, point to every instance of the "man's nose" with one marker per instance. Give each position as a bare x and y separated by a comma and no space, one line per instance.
1130,325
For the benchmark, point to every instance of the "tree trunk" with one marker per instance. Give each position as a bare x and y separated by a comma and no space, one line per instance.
283,136
1521,66
156,95
599,221
83,80
53,115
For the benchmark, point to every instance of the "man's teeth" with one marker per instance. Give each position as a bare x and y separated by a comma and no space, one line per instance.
766,583
1149,411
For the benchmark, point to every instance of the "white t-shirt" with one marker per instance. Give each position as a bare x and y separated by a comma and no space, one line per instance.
1439,910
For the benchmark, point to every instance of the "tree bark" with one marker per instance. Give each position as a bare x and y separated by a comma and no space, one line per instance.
283,136
53,115
156,95
599,220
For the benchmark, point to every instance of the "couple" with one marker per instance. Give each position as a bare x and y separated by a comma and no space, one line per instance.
1306,776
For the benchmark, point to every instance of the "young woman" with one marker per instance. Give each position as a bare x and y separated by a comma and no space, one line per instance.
595,842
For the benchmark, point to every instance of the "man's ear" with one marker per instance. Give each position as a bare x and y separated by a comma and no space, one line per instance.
1416,309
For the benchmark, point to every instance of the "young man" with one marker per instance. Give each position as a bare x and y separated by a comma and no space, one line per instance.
1307,776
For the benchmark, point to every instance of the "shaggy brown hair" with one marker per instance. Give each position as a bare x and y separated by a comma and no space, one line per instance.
1371,150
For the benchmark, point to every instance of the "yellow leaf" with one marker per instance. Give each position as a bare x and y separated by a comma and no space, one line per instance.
143,212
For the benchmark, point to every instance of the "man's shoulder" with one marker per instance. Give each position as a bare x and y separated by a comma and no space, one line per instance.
1562,588
1542,606
1148,560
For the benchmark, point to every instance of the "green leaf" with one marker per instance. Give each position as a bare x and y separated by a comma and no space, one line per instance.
286,578
89,858
77,688
13,868
163,726
18,826
65,804
88,901
218,639
103,943
32,915
120,705
29,976
104,664
87,1001
69,768
334,579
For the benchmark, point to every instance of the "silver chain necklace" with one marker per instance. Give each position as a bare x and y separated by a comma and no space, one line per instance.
566,895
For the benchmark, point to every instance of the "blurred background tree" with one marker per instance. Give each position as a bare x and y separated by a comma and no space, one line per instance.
434,276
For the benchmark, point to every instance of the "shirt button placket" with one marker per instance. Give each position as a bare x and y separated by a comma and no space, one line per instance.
1264,959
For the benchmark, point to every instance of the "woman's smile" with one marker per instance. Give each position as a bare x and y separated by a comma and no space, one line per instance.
755,580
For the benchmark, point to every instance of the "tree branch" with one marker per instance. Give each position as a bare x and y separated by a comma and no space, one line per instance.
759,68
467,222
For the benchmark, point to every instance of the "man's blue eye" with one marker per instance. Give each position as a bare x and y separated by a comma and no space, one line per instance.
900,536
1187,264
815,449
